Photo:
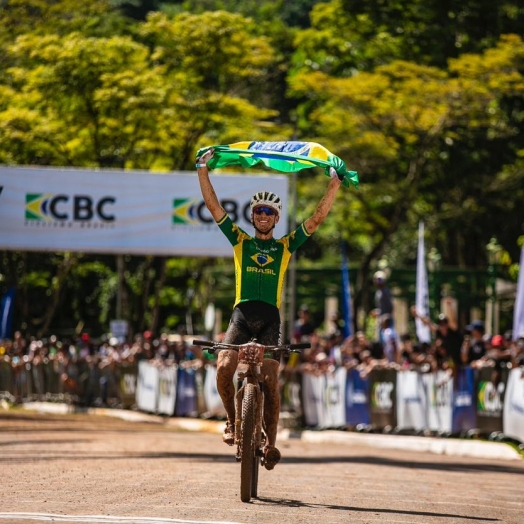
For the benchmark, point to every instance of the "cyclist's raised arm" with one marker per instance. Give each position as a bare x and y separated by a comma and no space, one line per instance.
207,189
324,206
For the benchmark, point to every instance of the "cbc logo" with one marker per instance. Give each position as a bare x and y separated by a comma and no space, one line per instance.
193,211
77,208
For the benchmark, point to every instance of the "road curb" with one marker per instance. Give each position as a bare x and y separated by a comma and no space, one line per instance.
439,446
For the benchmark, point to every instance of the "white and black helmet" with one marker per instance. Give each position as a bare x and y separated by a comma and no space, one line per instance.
266,198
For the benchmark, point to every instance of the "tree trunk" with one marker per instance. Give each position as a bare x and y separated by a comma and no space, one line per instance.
64,269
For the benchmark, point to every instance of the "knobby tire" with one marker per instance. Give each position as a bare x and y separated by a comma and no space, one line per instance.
254,475
247,465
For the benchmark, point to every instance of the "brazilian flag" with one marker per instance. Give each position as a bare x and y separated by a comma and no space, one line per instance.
286,157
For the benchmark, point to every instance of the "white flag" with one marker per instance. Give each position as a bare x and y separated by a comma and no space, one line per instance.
518,315
422,292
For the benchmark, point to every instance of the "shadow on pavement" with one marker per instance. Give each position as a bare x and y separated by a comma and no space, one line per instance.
413,463
25,456
229,456
300,504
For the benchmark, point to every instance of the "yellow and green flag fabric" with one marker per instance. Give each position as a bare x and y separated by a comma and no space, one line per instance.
286,157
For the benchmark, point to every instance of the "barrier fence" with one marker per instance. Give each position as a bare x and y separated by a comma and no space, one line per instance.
485,400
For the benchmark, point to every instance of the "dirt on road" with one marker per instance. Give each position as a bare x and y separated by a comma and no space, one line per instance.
109,470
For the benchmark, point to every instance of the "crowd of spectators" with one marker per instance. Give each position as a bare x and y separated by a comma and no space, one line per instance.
84,367
105,351
449,348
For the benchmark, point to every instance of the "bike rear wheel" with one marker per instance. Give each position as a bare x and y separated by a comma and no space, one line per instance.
249,460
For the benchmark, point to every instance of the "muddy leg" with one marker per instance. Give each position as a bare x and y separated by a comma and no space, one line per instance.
271,399
271,412
226,367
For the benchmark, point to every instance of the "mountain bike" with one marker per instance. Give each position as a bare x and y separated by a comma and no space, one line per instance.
250,432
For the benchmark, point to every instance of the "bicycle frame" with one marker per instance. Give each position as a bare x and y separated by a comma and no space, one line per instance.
250,438
249,370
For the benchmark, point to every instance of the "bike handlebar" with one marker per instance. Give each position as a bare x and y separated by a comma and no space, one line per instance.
204,343
221,345
302,345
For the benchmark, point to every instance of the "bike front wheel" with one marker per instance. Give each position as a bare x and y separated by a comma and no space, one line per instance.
249,459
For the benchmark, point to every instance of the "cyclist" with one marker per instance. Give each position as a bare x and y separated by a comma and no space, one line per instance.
260,265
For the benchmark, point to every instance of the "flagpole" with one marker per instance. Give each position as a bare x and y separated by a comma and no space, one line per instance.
346,293
6,313
422,289
292,273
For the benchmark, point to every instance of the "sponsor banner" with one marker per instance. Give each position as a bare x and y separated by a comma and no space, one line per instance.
357,399
147,387
6,377
312,399
464,412
126,212
292,390
186,393
213,402
119,329
411,401
439,395
334,412
382,397
491,389
291,393
167,388
199,384
513,419
323,399
127,377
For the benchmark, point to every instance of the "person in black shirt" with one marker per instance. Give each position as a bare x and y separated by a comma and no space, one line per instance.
450,338
446,332
473,349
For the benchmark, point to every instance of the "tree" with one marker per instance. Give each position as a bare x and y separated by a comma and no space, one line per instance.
432,31
83,101
220,87
60,17
403,127
432,137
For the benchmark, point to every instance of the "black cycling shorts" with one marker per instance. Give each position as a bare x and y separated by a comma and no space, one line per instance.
254,319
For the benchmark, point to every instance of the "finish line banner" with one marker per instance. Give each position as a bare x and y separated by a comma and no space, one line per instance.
124,212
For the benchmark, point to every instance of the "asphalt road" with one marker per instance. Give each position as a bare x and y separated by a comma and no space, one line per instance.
85,468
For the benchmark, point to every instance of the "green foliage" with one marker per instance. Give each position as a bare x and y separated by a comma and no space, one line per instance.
430,117
60,17
341,42
113,102
293,14
404,124
209,48
75,92
432,31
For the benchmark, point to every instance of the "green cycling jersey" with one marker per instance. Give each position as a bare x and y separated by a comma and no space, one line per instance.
260,265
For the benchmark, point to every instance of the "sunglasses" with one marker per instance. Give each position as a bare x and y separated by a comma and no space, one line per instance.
264,209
